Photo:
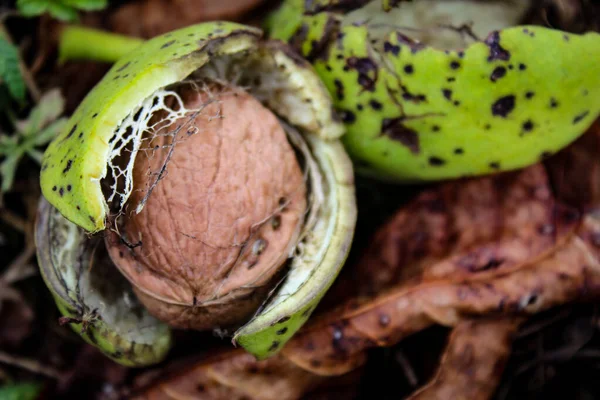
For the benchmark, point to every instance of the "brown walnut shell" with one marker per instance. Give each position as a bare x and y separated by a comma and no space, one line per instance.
220,223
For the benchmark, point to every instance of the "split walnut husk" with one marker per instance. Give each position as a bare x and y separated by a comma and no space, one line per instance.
206,169
441,89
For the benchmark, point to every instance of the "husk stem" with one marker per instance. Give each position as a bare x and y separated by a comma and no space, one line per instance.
81,43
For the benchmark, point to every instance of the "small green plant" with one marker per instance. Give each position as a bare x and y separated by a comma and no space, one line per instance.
64,10
20,391
10,75
37,130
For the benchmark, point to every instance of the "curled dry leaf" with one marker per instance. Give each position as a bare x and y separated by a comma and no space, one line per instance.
472,364
471,229
336,344
237,375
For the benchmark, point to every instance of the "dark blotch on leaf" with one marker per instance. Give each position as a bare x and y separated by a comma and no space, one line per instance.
447,93
375,105
495,165
436,161
529,95
397,131
409,69
274,346
580,117
390,48
364,66
61,192
503,106
339,89
459,151
455,65
71,132
497,52
282,331
167,44
528,126
124,66
68,166
348,116
497,73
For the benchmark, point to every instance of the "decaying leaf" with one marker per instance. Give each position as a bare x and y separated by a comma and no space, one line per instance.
237,375
472,364
469,229
337,344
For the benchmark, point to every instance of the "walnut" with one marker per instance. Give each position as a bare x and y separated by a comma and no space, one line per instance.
217,228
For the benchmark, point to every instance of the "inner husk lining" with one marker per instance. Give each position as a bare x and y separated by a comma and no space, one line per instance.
80,273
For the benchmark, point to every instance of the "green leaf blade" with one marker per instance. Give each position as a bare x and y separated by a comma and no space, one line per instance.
10,72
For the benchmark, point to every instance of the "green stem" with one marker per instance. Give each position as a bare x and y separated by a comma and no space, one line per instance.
79,43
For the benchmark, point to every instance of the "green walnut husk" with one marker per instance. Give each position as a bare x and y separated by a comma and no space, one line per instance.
92,295
82,158
426,96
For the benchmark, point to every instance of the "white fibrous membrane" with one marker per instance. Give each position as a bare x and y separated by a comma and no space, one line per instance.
129,137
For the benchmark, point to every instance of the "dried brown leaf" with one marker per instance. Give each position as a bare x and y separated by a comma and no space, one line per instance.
338,341
473,361
470,229
236,375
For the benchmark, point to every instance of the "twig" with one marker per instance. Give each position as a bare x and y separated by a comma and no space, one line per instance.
538,326
14,220
17,270
407,368
29,365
